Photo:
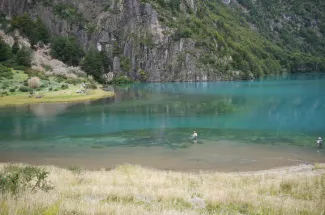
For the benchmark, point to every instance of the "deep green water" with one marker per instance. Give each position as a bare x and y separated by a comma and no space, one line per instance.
286,113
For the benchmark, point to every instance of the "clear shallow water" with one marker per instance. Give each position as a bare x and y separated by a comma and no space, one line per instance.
242,125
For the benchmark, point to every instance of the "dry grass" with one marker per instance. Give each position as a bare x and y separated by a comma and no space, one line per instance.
319,166
135,190
49,97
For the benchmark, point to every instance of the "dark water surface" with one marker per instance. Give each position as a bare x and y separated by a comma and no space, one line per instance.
242,125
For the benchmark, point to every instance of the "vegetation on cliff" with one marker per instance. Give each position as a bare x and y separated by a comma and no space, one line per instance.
27,73
261,37
241,39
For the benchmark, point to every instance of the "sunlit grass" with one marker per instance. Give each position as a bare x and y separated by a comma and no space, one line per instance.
132,189
56,96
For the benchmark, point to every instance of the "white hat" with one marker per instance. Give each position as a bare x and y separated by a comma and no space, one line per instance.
319,138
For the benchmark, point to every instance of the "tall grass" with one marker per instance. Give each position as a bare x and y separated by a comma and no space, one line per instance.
132,189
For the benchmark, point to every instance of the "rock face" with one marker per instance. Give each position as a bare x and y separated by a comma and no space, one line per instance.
128,30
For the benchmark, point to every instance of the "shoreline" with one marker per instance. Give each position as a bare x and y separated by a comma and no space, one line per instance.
62,96
302,168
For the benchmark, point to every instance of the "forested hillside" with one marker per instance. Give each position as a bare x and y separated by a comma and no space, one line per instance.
175,40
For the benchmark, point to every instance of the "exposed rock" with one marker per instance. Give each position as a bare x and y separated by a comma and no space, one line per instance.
134,26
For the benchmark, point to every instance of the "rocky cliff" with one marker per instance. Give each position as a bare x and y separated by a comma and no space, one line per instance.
162,40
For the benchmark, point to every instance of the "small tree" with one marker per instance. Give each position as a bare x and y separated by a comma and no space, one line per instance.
26,26
93,64
24,56
15,47
67,50
34,82
41,31
5,51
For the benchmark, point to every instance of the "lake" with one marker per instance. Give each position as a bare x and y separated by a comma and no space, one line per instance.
241,126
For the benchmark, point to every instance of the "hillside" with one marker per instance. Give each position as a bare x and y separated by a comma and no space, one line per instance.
185,40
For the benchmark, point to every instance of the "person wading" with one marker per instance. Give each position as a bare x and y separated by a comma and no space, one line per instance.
194,137
319,142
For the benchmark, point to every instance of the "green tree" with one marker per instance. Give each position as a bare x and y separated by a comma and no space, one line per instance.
15,47
42,32
93,64
26,26
24,56
107,62
67,50
57,47
5,51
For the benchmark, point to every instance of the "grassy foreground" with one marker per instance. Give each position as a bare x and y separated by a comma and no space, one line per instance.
58,96
132,189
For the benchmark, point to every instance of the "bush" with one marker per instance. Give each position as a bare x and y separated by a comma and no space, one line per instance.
68,50
34,82
5,51
12,90
74,81
5,72
143,75
5,85
64,86
36,73
17,179
60,78
25,89
34,30
19,67
24,57
121,80
92,86
5,93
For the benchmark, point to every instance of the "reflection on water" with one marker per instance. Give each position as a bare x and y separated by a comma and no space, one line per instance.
277,111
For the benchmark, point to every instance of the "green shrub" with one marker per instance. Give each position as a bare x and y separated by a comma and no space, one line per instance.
33,30
60,78
5,93
12,90
64,86
36,73
69,13
67,49
24,57
15,47
17,179
74,81
5,51
91,85
143,75
25,83
125,64
19,67
121,80
5,72
5,85
25,89
47,67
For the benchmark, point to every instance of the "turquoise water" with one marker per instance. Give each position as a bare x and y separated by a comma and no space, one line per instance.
147,121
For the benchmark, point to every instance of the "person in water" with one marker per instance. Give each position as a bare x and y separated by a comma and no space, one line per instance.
194,136
319,142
